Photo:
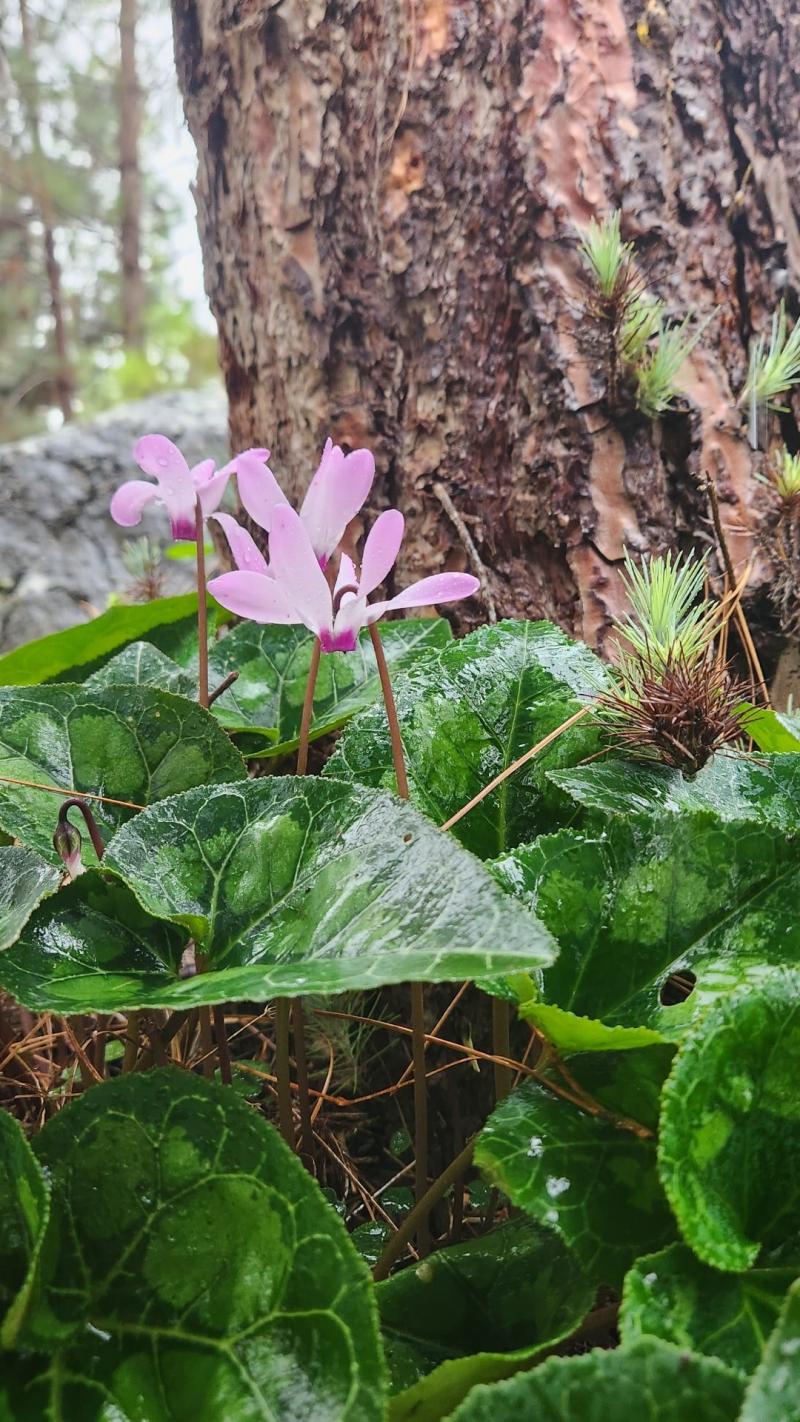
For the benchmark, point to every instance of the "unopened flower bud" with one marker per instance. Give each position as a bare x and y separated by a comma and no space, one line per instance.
67,844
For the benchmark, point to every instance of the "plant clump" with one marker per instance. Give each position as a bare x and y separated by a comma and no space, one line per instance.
676,700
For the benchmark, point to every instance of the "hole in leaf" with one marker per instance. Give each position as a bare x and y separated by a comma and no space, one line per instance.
407,838
677,988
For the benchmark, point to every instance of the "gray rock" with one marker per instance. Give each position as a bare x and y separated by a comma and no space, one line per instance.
60,552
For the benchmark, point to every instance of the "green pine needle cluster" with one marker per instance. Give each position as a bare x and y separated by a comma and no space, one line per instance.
669,618
787,474
649,349
773,369
605,253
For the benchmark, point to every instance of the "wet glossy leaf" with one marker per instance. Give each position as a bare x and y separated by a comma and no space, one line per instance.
773,730
25,879
273,662
581,1174
287,886
79,649
141,664
91,944
672,1295
643,900
131,743
192,1270
468,712
773,1394
763,788
477,1312
729,1147
650,1381
24,1210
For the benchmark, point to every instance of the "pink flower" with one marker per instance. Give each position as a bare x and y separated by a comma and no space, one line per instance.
334,496
177,486
294,588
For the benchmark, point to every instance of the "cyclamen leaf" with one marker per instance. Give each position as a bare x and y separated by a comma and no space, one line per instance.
287,886
643,900
79,649
774,1392
273,662
24,1211
649,1380
477,1312
773,730
127,742
762,788
192,1270
729,1145
140,664
671,1295
580,1174
467,713
25,879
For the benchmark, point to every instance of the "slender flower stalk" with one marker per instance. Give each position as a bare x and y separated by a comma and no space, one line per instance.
202,610
283,1083
308,708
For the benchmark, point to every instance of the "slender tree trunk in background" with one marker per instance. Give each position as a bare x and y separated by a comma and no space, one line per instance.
133,293
62,379
389,194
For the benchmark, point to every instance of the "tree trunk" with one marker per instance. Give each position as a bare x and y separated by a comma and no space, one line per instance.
133,293
389,196
62,379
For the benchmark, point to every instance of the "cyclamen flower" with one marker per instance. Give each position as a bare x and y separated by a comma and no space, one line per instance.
177,487
335,495
294,589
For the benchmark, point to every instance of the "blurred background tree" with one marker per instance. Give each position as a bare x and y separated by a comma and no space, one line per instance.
95,308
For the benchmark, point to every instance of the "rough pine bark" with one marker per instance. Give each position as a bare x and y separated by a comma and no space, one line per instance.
389,196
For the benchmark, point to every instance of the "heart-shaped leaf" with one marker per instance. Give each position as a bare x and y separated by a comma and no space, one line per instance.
79,650
468,713
649,1380
729,1145
287,886
24,1211
774,1392
580,1173
141,664
475,1313
644,900
25,879
671,1295
761,788
131,743
192,1269
273,663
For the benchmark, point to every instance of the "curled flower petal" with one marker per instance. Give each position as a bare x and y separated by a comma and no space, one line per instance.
253,595
246,554
346,577
129,501
441,587
294,564
202,472
335,495
158,456
259,490
381,549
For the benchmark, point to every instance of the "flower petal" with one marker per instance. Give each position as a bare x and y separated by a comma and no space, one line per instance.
381,550
246,554
259,490
130,499
252,595
349,620
294,565
335,495
210,493
162,459
441,587
202,472
346,577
